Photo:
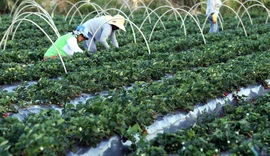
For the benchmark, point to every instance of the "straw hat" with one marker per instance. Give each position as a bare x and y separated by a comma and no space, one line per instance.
116,20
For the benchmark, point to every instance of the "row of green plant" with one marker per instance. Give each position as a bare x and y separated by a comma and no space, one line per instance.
17,51
241,129
201,72
86,124
12,72
99,75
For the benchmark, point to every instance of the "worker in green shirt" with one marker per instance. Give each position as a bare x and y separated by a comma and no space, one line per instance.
67,44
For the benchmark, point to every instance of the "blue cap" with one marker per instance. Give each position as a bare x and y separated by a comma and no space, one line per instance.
82,30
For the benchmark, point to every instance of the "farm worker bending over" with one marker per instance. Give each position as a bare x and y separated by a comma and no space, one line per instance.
67,44
212,11
103,27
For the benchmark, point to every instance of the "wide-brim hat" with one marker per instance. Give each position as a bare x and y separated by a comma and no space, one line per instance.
116,20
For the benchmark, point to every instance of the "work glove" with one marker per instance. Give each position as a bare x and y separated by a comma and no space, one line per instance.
214,18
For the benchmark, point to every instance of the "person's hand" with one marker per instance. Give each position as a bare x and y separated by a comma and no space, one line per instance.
214,18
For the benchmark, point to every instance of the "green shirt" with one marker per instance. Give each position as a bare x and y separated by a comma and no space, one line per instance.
60,43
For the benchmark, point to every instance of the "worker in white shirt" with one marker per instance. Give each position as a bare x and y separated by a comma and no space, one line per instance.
67,44
212,11
103,27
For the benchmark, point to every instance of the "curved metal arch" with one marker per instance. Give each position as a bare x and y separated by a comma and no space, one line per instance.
182,7
152,31
134,37
86,3
165,0
75,5
170,4
130,23
32,3
125,3
146,9
85,17
235,14
149,17
165,6
52,13
260,5
40,15
247,10
14,6
182,21
191,8
18,20
105,7
242,5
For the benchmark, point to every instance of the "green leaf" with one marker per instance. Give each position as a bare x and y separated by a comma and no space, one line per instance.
60,121
4,142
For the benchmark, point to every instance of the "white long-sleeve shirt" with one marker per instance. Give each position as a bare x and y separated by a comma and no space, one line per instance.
213,6
72,46
103,33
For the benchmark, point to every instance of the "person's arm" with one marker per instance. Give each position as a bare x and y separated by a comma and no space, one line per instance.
73,45
113,39
106,31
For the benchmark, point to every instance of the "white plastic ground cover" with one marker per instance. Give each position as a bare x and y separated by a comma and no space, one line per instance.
22,113
173,122
10,88
111,147
169,123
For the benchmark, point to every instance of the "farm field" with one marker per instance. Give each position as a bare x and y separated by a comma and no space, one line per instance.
201,66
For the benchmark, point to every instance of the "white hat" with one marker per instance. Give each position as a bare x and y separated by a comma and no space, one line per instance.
116,20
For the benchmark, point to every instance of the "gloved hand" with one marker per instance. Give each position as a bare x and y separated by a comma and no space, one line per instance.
214,18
